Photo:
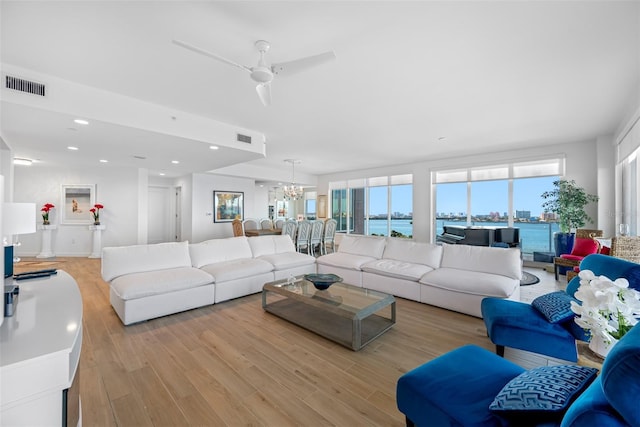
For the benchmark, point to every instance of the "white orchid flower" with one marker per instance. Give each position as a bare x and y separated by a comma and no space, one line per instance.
609,307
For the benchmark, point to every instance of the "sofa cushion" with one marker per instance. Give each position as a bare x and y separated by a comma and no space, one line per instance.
367,246
542,394
287,260
395,268
471,282
219,250
413,252
555,306
344,260
584,246
121,260
269,245
140,285
237,269
505,262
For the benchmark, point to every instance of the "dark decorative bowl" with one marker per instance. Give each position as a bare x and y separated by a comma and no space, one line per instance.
322,281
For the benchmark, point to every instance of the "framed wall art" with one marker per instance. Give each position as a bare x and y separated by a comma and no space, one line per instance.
228,205
76,202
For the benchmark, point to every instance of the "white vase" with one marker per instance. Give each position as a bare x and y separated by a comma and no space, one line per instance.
600,347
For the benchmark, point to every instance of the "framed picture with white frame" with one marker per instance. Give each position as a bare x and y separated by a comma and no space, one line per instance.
76,202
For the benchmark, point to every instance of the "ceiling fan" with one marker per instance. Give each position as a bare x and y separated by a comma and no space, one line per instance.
263,73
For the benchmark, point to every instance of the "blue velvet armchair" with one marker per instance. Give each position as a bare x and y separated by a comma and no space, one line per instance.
461,388
520,325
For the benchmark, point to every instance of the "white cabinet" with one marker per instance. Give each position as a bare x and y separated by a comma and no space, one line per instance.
40,353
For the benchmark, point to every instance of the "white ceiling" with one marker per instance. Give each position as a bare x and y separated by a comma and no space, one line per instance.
484,75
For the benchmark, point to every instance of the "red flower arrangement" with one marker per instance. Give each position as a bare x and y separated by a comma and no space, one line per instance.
95,211
45,212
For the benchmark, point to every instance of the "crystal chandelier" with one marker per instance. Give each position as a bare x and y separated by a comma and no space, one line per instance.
293,191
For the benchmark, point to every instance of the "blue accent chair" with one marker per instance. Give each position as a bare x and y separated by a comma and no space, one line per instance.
519,325
457,388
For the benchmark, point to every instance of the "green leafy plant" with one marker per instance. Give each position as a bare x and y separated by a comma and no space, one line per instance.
568,201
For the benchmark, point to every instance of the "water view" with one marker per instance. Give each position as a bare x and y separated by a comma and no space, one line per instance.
535,236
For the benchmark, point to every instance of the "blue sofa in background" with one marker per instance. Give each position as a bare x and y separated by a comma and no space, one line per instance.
520,325
459,387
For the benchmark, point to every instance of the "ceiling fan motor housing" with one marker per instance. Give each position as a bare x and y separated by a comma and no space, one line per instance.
261,74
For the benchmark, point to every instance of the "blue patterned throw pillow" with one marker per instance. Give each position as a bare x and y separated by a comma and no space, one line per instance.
542,394
555,306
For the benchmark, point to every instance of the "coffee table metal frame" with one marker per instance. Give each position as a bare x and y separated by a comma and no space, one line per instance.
349,315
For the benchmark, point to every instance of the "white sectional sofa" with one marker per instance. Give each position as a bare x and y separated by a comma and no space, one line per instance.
456,277
148,281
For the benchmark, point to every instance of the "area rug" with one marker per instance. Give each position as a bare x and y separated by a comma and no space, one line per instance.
528,279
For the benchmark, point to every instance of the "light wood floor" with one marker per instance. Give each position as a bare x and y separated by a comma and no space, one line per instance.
233,364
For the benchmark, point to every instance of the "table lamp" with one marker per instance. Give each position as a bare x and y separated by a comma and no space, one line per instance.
17,218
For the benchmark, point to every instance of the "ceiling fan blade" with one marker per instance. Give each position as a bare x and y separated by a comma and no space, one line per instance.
264,92
209,54
297,65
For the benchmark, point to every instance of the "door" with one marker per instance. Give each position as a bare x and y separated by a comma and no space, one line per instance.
160,222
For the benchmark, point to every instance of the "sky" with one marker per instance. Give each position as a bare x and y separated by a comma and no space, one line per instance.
491,196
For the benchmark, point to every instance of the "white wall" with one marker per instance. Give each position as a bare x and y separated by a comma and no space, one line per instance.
203,227
116,189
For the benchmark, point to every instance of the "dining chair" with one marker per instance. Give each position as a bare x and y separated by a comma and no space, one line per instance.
303,235
278,224
290,228
266,224
329,235
315,239
237,228
250,224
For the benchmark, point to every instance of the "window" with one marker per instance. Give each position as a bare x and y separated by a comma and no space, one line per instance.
378,204
401,210
381,206
499,196
310,205
627,176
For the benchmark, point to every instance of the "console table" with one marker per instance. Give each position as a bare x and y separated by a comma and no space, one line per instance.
40,353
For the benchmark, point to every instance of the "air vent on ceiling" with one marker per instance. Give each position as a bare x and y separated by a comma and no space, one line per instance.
244,138
23,85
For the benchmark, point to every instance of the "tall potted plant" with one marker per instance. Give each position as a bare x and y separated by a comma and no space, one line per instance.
568,201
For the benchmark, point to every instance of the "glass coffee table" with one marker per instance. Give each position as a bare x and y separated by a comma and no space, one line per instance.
349,315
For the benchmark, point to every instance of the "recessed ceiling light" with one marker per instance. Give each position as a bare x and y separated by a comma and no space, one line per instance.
104,161
161,174
175,162
213,147
81,122
71,147
22,162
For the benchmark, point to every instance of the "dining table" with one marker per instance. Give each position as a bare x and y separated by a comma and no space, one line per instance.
262,232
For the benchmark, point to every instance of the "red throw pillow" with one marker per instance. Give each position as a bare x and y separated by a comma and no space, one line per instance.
583,247
605,250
